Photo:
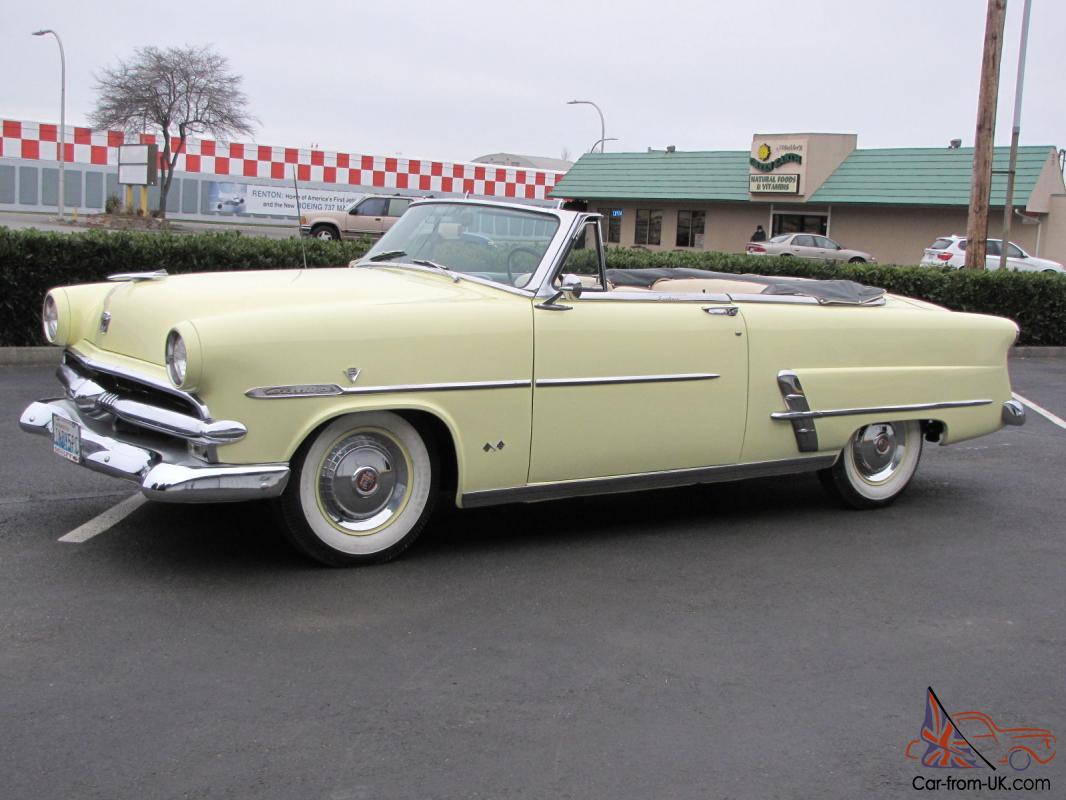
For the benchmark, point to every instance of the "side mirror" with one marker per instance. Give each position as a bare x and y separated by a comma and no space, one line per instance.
571,286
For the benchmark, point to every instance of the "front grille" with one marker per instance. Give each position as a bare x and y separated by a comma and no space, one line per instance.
133,389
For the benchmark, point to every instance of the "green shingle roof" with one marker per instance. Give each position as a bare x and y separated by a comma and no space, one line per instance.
898,176
926,176
711,175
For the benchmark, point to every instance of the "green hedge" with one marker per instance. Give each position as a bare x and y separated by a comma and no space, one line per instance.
31,262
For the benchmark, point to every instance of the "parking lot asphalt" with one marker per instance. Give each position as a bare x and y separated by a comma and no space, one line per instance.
743,640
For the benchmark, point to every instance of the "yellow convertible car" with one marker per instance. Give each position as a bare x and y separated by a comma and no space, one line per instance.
483,349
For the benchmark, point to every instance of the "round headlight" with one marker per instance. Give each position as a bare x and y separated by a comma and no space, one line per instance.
50,319
177,358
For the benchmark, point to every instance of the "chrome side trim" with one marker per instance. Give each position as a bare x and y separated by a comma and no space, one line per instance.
1013,413
155,383
849,412
806,434
644,481
332,389
621,379
138,276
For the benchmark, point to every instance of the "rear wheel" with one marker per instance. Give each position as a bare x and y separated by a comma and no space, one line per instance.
361,491
876,465
325,232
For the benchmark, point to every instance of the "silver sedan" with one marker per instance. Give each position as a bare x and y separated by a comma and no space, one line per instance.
807,245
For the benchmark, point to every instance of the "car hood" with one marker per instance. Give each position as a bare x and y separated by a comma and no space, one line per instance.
1044,263
143,312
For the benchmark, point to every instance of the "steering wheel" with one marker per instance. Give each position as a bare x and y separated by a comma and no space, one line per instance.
525,250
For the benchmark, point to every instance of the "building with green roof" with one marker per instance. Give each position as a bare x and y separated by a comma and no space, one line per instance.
891,202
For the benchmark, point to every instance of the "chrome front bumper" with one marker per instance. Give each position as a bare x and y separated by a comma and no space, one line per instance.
164,471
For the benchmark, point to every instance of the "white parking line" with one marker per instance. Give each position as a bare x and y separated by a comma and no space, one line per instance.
102,522
1041,411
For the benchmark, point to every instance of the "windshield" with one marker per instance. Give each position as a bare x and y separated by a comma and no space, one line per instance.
499,244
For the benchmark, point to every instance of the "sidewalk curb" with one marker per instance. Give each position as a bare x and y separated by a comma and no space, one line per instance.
38,356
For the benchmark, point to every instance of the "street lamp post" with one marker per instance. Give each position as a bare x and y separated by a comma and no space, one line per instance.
62,113
603,127
1008,201
601,143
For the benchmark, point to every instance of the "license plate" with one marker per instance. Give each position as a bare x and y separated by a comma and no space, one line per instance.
66,439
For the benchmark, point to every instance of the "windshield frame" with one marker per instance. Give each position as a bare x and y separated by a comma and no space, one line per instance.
564,221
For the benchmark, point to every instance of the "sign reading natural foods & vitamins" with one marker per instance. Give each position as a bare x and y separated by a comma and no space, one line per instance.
778,183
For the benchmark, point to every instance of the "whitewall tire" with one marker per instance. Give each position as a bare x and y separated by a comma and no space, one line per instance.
361,490
876,465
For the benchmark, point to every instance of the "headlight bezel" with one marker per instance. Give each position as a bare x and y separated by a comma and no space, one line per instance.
176,357
183,336
50,318
59,333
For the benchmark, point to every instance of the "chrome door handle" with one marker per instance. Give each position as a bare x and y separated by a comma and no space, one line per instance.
722,311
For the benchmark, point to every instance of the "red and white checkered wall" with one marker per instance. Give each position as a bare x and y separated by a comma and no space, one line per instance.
40,141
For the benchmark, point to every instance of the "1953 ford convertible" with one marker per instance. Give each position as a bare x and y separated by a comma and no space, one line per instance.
483,349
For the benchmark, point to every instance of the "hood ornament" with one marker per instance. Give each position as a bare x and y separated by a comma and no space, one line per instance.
105,321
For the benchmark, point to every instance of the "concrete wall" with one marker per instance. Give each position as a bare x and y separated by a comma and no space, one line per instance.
891,235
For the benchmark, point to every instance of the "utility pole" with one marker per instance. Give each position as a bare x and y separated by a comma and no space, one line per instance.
981,183
1015,131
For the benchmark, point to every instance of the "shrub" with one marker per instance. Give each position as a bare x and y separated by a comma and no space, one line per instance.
32,262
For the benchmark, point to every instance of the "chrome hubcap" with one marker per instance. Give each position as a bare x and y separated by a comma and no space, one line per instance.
363,482
878,451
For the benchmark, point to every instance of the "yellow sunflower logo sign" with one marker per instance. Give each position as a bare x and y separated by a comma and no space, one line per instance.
764,152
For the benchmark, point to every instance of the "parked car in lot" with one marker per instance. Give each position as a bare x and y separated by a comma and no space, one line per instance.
807,245
370,216
484,349
950,251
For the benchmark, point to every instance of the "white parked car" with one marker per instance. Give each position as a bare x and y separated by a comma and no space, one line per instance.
950,251
807,245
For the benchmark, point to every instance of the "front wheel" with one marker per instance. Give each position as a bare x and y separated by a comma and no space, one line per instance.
876,465
361,490
325,232
856,260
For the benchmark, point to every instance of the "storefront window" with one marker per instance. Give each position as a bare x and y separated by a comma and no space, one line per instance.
649,226
612,221
690,228
800,223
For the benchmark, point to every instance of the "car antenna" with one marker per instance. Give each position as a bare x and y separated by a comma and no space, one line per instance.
299,216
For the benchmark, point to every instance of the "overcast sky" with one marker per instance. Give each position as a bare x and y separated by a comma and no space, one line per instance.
461,79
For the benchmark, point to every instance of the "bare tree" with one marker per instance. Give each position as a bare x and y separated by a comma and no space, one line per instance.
179,91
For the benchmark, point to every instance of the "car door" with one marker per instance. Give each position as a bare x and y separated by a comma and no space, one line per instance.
632,383
367,217
826,248
802,245
394,210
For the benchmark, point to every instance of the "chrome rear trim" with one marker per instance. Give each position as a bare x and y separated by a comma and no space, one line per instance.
138,276
1013,413
645,481
850,412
